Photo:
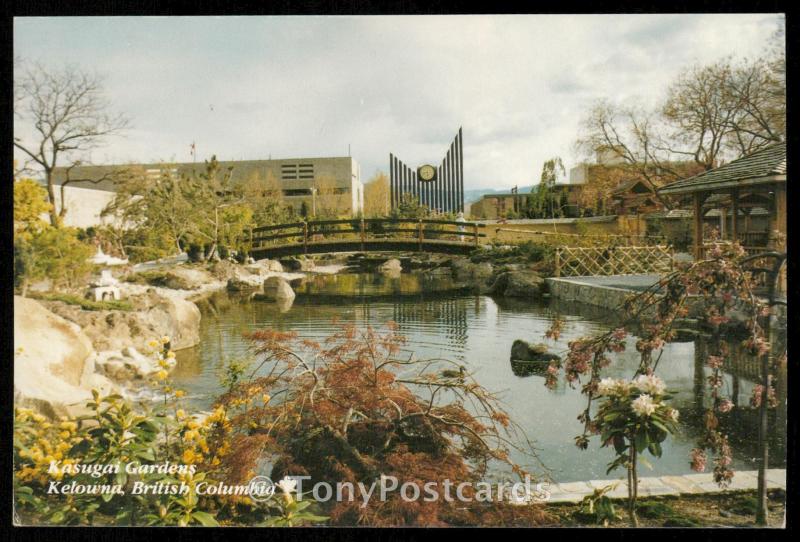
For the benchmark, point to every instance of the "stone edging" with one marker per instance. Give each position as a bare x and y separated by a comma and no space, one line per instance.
687,484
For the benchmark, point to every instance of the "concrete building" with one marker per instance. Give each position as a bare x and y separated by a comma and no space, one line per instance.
500,204
327,186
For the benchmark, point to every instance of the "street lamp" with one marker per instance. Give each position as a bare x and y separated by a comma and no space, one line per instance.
314,201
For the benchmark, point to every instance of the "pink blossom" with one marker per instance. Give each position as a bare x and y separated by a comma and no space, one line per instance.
726,405
699,459
715,362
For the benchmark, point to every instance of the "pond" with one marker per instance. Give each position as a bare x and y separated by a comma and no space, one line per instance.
478,331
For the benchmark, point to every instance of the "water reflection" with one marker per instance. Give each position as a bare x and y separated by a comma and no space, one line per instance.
478,331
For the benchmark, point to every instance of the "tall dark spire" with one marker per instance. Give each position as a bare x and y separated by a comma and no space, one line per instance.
445,194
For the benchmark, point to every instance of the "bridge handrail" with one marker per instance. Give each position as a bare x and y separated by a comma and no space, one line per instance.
367,221
364,228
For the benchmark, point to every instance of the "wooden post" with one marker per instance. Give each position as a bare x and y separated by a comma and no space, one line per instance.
558,262
363,234
475,230
305,237
735,217
780,226
421,235
698,226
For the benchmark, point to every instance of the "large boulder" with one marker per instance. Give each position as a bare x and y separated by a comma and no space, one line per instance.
518,283
524,351
51,372
156,315
277,289
176,318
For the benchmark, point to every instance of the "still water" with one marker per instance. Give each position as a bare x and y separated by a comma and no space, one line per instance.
477,332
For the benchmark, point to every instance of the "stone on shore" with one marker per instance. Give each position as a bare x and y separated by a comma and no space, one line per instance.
297,264
244,283
126,365
264,267
51,373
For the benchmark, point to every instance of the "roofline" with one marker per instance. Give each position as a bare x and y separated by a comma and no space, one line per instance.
202,163
699,186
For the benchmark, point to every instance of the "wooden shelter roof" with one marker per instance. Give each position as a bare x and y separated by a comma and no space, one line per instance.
767,165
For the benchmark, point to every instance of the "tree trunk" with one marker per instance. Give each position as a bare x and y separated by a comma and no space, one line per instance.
633,485
51,196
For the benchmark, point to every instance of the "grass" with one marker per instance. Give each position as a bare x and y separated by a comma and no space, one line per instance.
85,304
733,509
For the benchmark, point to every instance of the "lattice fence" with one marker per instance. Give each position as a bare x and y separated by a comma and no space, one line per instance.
620,260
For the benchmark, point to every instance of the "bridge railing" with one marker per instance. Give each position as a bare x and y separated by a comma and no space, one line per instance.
366,229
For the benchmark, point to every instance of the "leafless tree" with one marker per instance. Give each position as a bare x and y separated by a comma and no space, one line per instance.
631,133
711,114
61,115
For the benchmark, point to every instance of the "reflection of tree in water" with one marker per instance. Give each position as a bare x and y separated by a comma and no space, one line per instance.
741,423
450,316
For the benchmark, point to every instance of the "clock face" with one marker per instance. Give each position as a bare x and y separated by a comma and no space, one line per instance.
426,173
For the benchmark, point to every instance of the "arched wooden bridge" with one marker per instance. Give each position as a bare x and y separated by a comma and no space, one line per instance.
368,234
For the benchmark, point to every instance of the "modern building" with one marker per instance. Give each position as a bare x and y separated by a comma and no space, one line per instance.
327,186
499,204
440,188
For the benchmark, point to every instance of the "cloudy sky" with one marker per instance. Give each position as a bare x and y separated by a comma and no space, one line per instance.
255,87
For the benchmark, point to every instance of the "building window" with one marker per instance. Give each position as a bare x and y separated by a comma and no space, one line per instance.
289,172
297,192
292,172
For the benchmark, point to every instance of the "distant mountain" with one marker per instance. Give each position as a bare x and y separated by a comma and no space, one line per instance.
475,194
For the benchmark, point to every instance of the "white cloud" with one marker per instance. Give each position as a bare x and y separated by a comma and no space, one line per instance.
250,87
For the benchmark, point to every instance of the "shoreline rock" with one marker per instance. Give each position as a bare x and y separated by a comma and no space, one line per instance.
53,372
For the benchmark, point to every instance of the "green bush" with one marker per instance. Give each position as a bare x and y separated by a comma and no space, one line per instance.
51,253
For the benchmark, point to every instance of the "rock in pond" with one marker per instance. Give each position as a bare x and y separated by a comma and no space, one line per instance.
518,283
276,289
525,352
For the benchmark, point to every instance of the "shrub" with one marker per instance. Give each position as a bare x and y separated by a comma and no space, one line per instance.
348,410
116,432
53,253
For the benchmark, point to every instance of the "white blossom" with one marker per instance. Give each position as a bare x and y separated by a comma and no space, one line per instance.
606,386
650,384
643,405
287,485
